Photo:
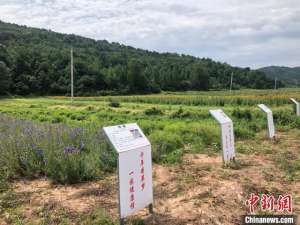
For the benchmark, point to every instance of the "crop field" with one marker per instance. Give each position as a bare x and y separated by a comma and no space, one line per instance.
56,166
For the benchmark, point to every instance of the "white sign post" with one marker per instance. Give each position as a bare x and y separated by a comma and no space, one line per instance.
297,105
134,166
271,127
227,134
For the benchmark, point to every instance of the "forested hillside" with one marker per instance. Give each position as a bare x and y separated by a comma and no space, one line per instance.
37,61
289,76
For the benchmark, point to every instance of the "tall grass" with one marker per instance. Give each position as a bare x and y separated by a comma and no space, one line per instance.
220,98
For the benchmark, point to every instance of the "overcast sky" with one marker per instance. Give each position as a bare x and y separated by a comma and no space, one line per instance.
243,33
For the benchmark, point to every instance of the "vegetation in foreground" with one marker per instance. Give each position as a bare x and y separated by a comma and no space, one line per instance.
198,184
63,141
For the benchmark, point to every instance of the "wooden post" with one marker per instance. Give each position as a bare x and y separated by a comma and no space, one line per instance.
122,221
151,208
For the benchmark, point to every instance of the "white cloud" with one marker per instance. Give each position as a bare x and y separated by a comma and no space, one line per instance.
245,33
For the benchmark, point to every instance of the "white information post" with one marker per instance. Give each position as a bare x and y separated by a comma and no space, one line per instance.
297,106
134,168
227,134
271,127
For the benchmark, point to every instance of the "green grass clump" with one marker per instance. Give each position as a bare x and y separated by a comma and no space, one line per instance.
243,132
114,103
164,143
4,182
284,118
98,217
242,114
180,113
153,111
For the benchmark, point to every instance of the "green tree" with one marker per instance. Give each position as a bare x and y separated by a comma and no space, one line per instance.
38,62
200,77
136,78
86,84
5,80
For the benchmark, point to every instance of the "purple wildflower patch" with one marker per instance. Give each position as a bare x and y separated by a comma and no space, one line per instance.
71,150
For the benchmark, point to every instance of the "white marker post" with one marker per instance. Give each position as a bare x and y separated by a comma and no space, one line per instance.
297,106
271,127
134,166
227,135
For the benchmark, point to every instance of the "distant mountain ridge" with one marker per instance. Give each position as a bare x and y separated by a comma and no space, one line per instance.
37,61
289,75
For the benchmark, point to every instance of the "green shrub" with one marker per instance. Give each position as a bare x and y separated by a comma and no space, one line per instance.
98,217
243,132
114,103
57,119
297,122
221,102
180,113
283,117
242,114
153,111
208,134
62,153
164,143
137,221
108,158
33,106
77,116
90,108
239,101
42,118
254,126
3,181
173,157
73,168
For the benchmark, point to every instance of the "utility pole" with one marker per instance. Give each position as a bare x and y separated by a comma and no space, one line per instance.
72,76
231,78
275,86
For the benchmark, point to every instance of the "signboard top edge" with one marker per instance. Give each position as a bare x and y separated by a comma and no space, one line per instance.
264,108
294,100
120,125
220,116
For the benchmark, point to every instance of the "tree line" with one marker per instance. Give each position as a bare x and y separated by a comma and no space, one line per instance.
37,62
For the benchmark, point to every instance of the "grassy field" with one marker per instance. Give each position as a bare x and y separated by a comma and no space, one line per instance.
62,141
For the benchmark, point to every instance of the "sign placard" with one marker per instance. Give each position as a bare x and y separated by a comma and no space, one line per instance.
227,134
271,127
126,137
134,166
297,105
